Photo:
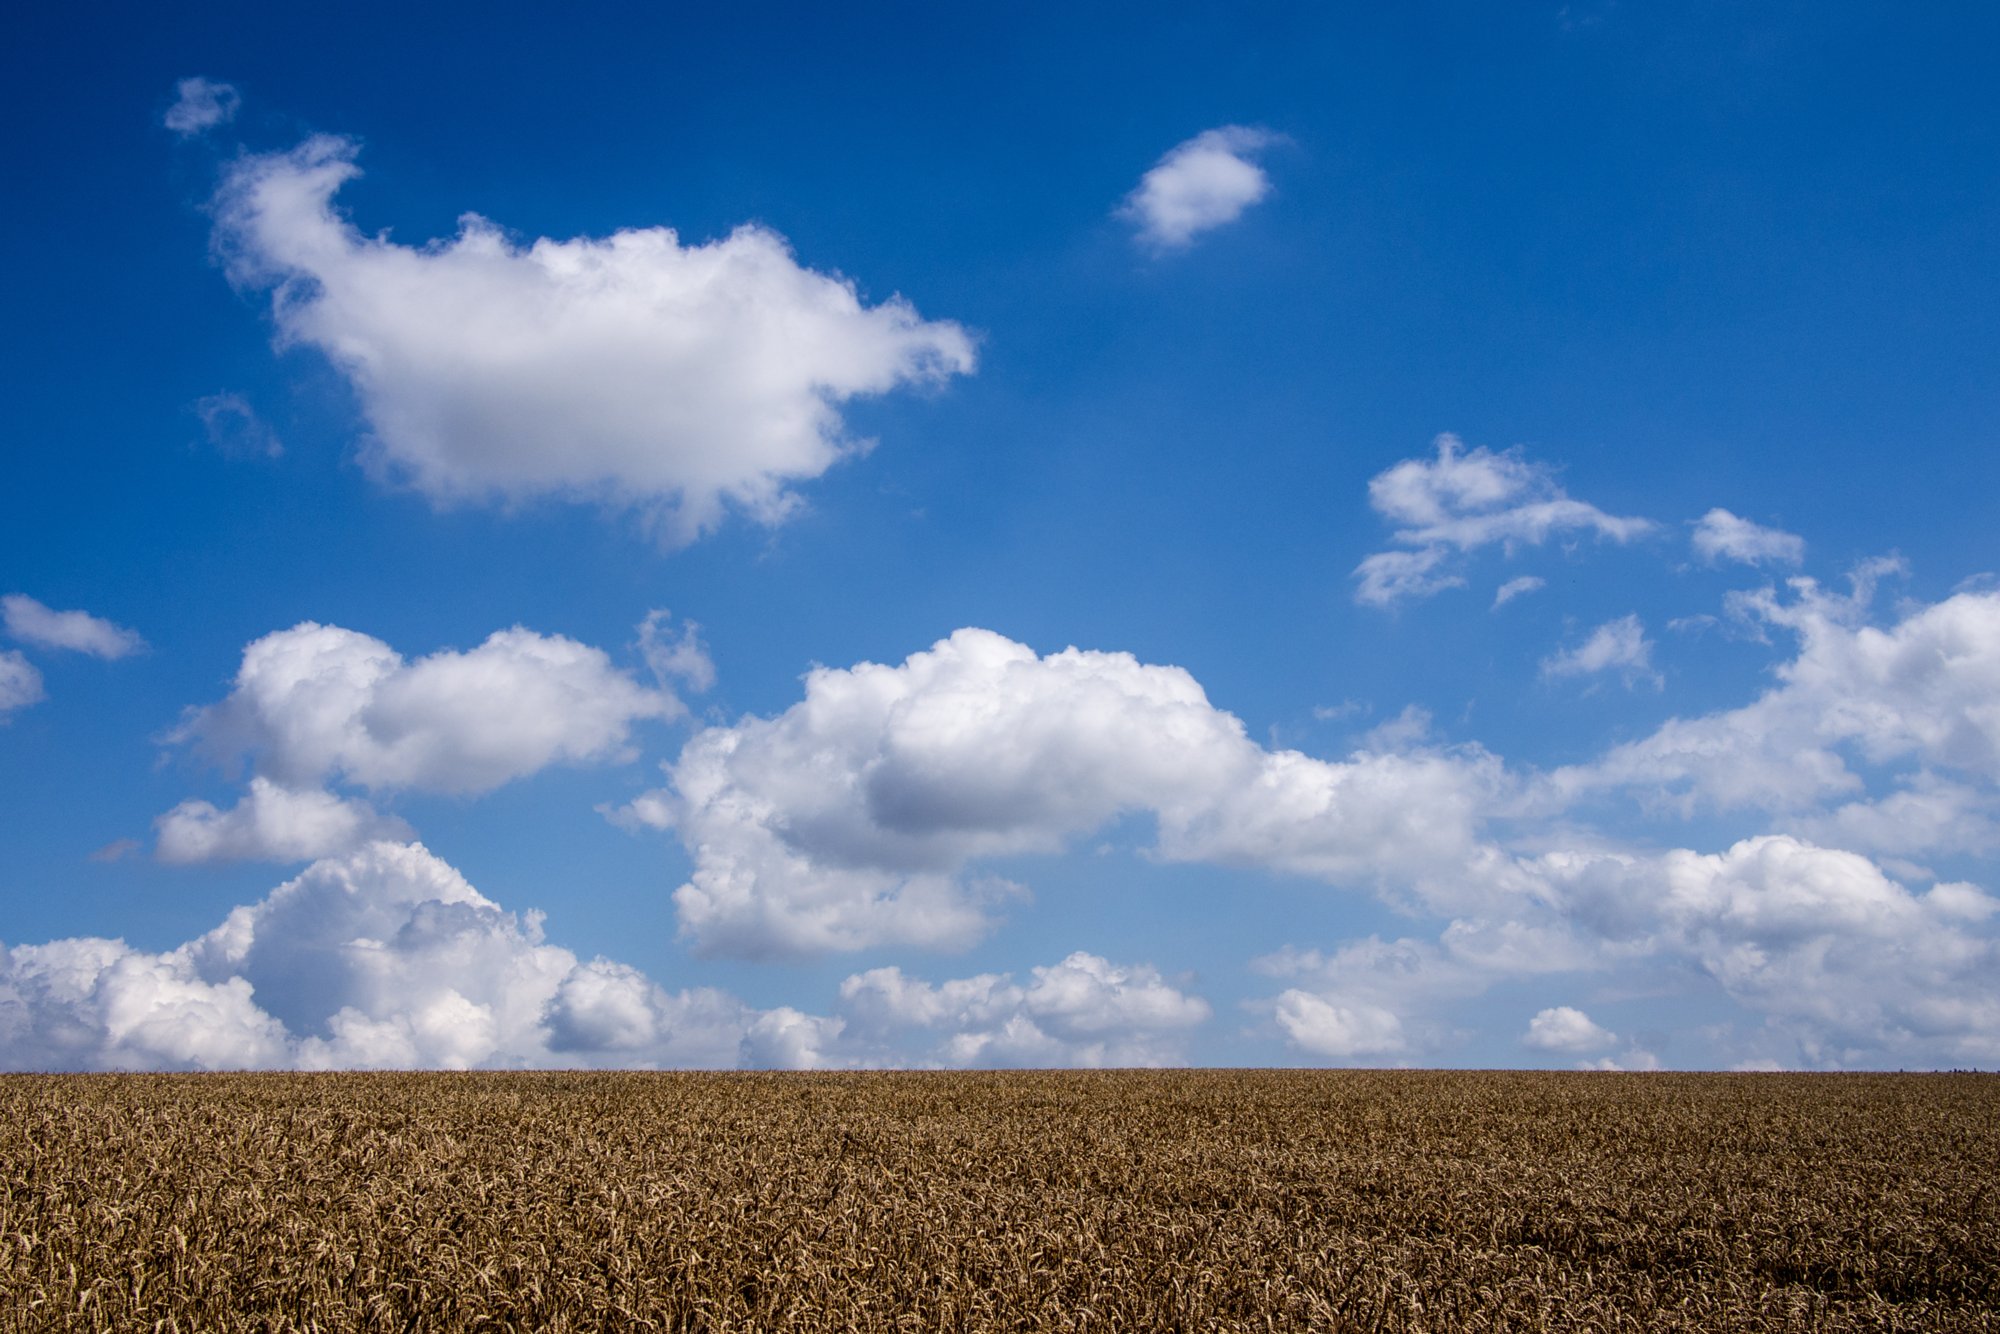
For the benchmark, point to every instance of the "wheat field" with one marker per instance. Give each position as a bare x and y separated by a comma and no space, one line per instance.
1181,1200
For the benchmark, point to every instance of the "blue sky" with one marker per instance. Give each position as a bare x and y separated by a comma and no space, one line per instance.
1453,535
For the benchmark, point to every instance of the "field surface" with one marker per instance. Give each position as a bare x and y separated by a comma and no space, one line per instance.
1186,1200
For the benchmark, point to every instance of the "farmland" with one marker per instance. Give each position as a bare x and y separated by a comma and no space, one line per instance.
1180,1200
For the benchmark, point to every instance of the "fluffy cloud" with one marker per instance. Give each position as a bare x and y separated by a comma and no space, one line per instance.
1923,692
1924,814
1617,646
32,623
1459,502
1564,1028
270,823
317,702
201,105
20,683
631,370
1084,1011
848,820
1841,964
91,1004
385,957
1198,186
1324,1027
1846,965
1375,1000
1721,536
859,817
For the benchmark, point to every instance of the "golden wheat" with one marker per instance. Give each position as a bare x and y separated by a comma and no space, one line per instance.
1186,1200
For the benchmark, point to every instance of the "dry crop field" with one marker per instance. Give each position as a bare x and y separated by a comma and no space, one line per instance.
1184,1200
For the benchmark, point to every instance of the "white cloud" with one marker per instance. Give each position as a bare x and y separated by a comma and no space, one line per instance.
849,820
1564,1028
1459,502
1201,184
1084,1011
1514,588
1388,577
632,371
1720,535
271,823
682,657
32,623
1617,646
385,957
1324,1027
318,702
1846,964
1922,692
859,817
94,1004
201,105
20,683
788,1039
1925,814
1375,999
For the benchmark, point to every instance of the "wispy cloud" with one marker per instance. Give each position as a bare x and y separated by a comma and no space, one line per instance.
78,631
1721,536
200,105
1617,646
1460,501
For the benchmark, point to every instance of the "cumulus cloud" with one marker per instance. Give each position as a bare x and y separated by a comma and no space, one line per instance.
385,957
317,705
1617,646
381,958
1875,738
1923,814
93,1004
200,105
1458,502
20,683
1842,964
1084,1011
1374,1000
317,702
860,818
1201,184
851,819
270,823
633,370
1324,1027
1564,1028
1845,964
78,631
1721,536
1921,694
